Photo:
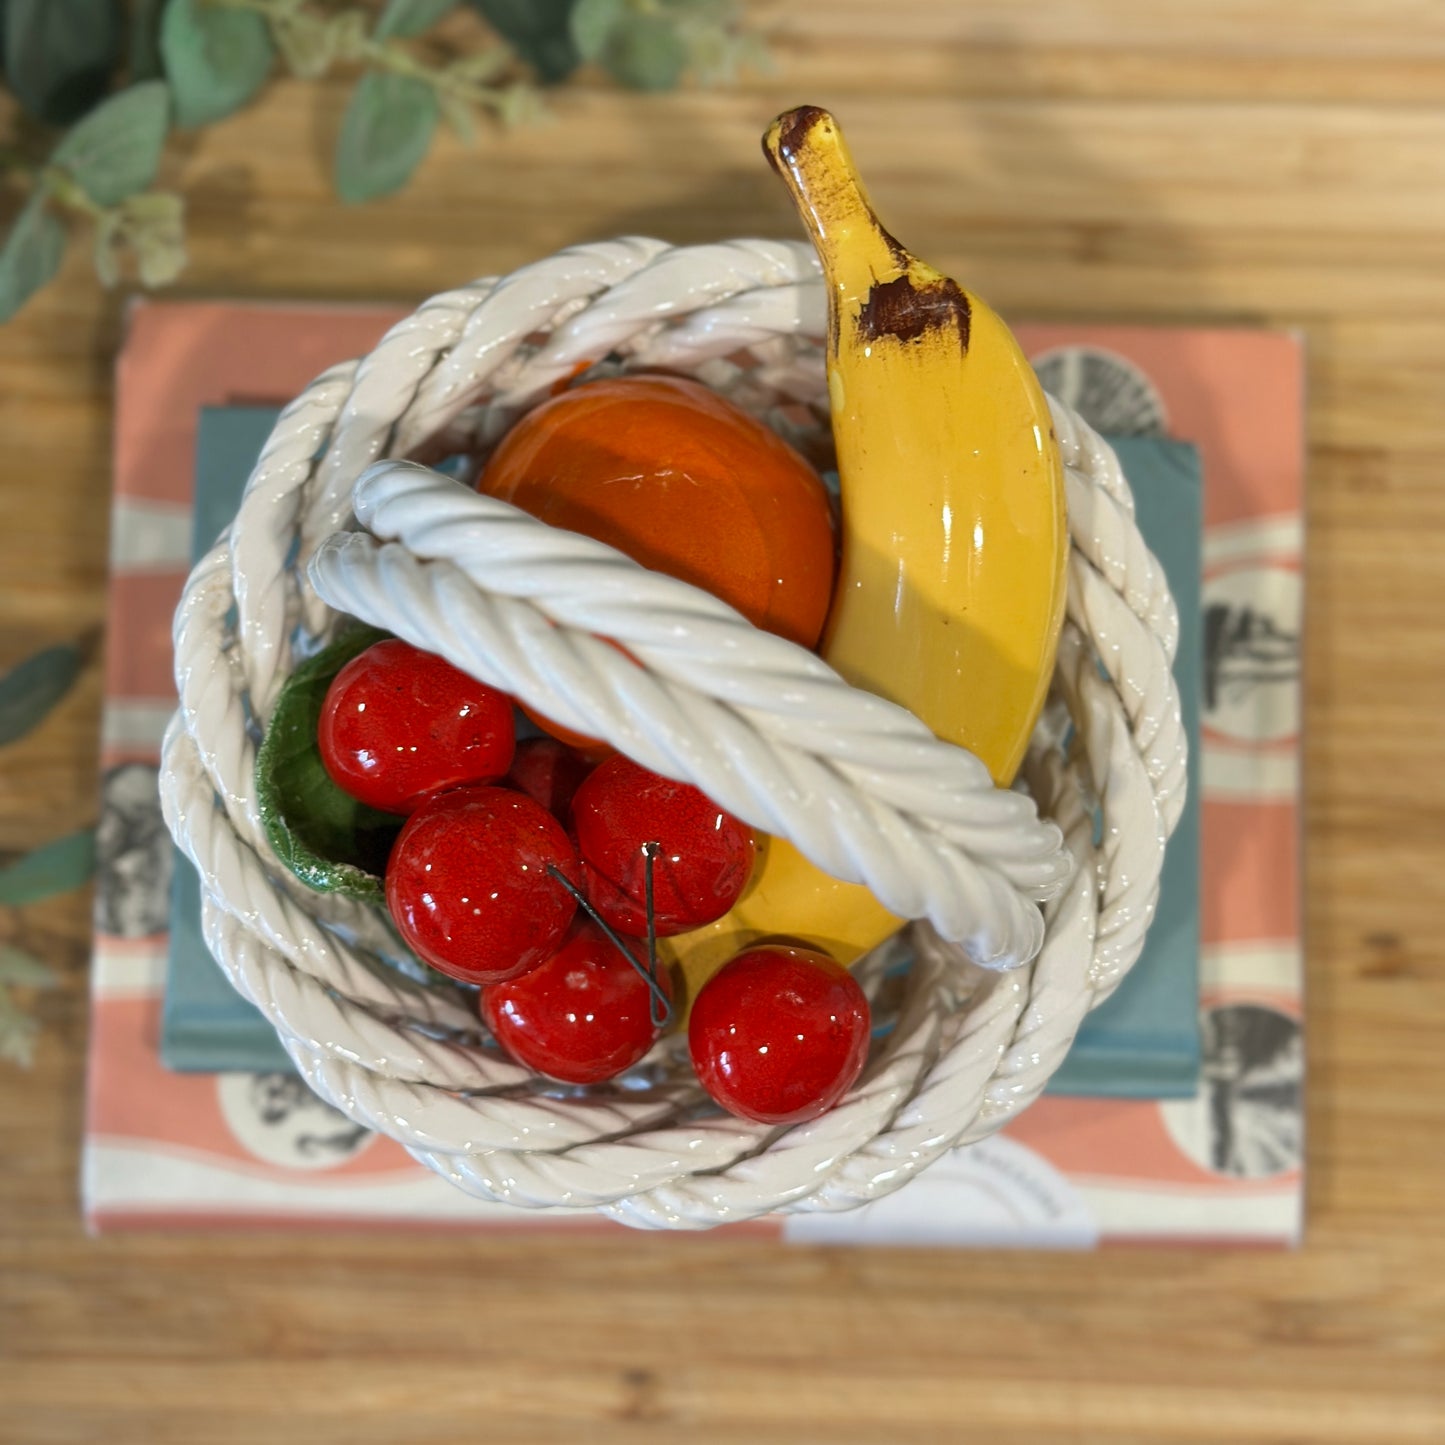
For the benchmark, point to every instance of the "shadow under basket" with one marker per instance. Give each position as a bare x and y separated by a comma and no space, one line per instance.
1049,919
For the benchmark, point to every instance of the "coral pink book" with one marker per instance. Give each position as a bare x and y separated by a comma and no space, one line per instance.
166,1149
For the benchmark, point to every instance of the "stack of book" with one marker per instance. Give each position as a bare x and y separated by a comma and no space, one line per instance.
1178,1113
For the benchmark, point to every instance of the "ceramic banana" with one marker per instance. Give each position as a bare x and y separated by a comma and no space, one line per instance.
955,538
951,585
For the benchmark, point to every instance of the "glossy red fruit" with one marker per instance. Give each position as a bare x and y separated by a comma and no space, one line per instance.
468,886
779,1034
549,772
703,862
582,1016
399,723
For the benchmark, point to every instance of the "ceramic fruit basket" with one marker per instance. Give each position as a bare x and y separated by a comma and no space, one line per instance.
984,907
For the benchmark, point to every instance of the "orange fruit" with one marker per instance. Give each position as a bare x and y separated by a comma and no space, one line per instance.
685,483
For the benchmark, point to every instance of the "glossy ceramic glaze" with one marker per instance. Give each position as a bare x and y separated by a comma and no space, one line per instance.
955,538
399,723
779,1035
467,883
581,1016
680,479
786,897
548,772
702,860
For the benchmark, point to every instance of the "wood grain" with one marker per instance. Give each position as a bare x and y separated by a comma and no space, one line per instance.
1201,161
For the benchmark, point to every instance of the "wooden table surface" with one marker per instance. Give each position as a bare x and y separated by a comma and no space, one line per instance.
1199,161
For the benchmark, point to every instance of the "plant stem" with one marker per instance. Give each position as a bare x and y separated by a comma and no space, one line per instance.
53,182
59,185
383,54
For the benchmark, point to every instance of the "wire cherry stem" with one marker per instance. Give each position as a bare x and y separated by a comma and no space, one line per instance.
658,1004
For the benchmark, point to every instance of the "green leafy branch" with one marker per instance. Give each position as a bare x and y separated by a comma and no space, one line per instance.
18,1029
28,692
62,58
55,868
219,53
100,172
651,44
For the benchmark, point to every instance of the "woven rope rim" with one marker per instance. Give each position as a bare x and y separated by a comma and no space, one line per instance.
399,1052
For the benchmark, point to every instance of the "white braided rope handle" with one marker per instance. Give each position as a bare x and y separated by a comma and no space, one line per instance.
393,1050
762,725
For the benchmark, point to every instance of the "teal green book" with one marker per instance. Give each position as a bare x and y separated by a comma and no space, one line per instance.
1144,1043
206,1026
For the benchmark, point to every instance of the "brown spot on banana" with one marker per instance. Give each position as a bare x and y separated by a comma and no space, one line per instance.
907,309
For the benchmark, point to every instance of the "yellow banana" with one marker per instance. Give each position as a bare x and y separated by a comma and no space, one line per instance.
955,538
787,897
951,585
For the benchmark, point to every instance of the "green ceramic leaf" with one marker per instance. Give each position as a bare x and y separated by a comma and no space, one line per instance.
30,256
325,837
54,868
216,59
116,150
593,22
31,688
540,31
645,53
410,17
384,135
60,54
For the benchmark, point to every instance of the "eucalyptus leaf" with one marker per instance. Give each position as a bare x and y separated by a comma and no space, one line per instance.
154,225
31,255
458,112
350,34
23,969
60,54
54,868
406,18
216,59
593,22
31,688
116,150
540,31
307,44
325,837
520,104
17,1033
645,53
387,128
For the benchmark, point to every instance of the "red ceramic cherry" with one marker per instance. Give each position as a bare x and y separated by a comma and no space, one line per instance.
399,723
549,772
468,886
779,1034
702,865
581,1017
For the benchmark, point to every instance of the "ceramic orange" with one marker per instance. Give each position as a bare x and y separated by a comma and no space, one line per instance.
685,483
